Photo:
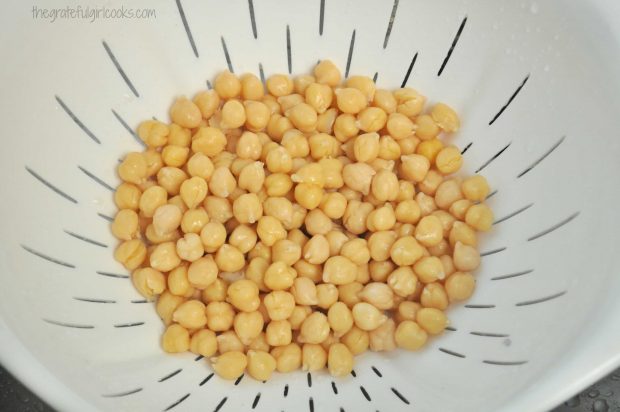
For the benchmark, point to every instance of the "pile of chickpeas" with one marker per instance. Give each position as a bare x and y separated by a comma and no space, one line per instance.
299,223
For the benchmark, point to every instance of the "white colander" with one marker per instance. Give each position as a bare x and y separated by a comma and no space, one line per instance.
536,85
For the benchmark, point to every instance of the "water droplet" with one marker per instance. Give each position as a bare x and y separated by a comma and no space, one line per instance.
600,405
507,342
546,68
573,402
593,393
534,8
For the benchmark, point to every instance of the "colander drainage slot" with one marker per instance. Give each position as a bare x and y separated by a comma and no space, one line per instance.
177,402
50,186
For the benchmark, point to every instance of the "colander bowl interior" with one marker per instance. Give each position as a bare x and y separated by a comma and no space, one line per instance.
536,87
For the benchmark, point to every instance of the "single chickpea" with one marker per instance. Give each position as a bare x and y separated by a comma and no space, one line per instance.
403,281
426,128
248,325
380,244
480,217
259,343
382,338
345,127
327,295
213,235
202,272
296,144
449,160
366,147
194,220
270,230
399,126
171,178
381,219
349,293
356,340
149,282
445,117
406,311
190,247
286,251
227,85
340,318
350,100
460,286
304,291
385,100
175,339
317,222
220,315
407,211
325,121
429,149
203,343
314,357
278,184
410,102
233,114
154,133
434,296
208,102
280,85
333,204
319,96
133,169
314,329
389,149
229,342
247,208
322,145
358,176
408,145
229,259
209,141
200,165
175,156
332,171
260,365
339,270
378,294
406,191
406,251
190,314
339,360
223,182
432,320
126,225
230,365
409,335
327,73
316,250
466,258
302,83
367,317
379,271
257,115
429,231
251,87
429,269
308,195
279,333
252,177
385,186
311,173
303,116
279,304
167,304
185,113
356,250
447,193
127,196
459,208
414,167
279,276
462,232
164,257
475,188
288,357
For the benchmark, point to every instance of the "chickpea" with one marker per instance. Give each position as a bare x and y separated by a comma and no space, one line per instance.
379,271
406,311
149,282
325,121
207,102
200,165
288,357
202,272
151,199
316,250
447,193
409,335
304,291
213,235
445,117
178,282
251,87
279,85
175,339
356,250
406,251
249,146
229,259
314,329
380,243
230,365
460,286
432,320
327,73
314,357
434,296
270,230
382,338
462,232
185,113
449,160
407,211
327,295
480,217
278,333
414,167
209,141
349,293
339,360
248,325
429,269
367,317
378,294
399,126
426,127
127,196
339,270
429,149
333,204
345,127
203,343
194,220
259,343
410,102
260,365
429,231
126,225
356,340
317,222
358,176
466,258
279,276
167,304
227,85
459,208
171,178
164,257
220,316
223,182
350,100
190,314
279,304
366,147
403,281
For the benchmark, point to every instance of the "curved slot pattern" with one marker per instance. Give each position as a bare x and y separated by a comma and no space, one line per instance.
513,275
187,29
400,396
350,55
547,153
512,97
121,394
96,179
513,214
495,156
111,275
504,363
170,375
365,393
49,185
48,258
390,24
454,43
540,300
226,55
451,352
289,57
68,325
126,126
254,32
177,402
119,68
409,69
77,121
85,239
554,227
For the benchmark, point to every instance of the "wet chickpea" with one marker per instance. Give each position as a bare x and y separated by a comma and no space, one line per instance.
278,333
380,243
399,126
406,251
378,294
279,85
403,281
480,217
445,117
251,87
339,270
366,147
229,259
230,365
414,167
466,258
327,73
385,186
382,338
288,357
175,339
279,276
432,320
345,127
434,296
190,314
326,294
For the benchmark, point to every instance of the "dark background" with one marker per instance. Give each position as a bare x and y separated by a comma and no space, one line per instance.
604,396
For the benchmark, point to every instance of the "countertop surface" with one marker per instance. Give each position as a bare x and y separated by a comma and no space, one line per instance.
604,396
